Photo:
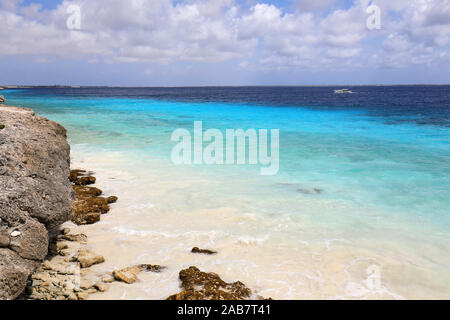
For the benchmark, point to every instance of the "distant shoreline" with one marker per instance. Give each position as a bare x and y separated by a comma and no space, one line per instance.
222,86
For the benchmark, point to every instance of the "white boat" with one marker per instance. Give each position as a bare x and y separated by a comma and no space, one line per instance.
340,91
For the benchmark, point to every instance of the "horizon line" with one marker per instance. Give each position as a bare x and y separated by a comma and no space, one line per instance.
215,86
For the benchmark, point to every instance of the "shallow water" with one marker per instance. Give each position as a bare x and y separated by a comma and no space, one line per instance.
359,209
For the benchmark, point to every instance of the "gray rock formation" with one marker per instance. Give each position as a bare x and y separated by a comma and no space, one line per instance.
35,193
2,99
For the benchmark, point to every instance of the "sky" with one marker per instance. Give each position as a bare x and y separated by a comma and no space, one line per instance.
224,42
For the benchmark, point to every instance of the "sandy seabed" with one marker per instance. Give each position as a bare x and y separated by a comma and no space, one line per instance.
161,214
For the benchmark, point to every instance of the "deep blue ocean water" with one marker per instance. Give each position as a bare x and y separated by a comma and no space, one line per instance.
384,150
428,105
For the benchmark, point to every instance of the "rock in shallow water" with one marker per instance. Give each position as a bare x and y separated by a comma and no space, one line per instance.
84,192
83,218
112,199
198,285
127,275
101,287
108,278
81,177
87,258
151,268
75,237
88,206
203,251
88,211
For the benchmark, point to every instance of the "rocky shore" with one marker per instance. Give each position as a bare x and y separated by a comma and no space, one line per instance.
39,259
66,273
35,194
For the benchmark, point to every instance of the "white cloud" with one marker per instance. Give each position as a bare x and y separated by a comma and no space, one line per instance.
164,31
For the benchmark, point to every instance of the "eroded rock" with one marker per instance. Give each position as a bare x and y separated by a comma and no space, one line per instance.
75,237
198,285
58,247
88,206
108,278
89,211
87,258
203,251
4,240
81,177
112,199
56,279
127,275
151,268
65,275
101,287
31,242
84,192
83,218
14,272
35,195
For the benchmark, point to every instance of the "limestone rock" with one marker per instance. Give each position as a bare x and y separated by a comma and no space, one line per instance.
75,237
31,242
108,278
199,285
84,192
83,218
82,295
93,204
101,287
14,272
203,251
89,206
112,199
81,177
56,279
87,258
127,275
87,284
151,268
4,240
35,195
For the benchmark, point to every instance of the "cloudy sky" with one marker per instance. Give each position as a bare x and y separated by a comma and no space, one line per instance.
223,42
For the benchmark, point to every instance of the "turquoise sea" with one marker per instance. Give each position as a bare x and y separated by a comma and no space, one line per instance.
360,207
